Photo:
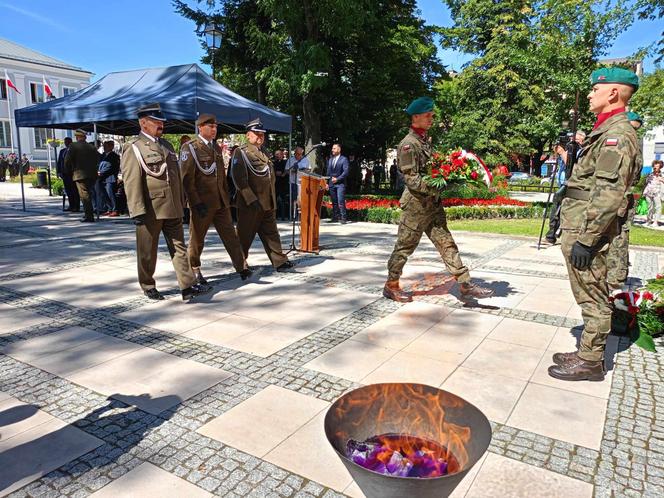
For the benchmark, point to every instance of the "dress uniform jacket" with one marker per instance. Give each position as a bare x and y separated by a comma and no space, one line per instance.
421,212
207,184
160,195
252,186
82,161
597,196
209,189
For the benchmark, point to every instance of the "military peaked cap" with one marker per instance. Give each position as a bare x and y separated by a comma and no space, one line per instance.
151,111
80,132
420,105
615,75
255,125
206,118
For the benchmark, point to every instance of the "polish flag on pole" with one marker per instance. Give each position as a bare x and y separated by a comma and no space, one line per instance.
47,87
10,84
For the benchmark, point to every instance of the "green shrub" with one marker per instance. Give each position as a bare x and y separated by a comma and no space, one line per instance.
57,186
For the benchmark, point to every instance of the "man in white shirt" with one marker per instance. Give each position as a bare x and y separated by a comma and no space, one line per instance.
296,165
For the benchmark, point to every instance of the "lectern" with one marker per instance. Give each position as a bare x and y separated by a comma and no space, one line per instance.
311,199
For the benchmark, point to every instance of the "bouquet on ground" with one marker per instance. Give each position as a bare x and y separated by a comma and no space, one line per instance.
456,166
645,307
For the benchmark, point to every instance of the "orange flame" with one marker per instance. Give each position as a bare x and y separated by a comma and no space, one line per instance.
408,410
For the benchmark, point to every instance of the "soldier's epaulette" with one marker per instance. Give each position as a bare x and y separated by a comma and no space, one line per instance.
189,142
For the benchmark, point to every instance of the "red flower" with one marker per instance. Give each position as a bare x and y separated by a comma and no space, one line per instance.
647,295
473,175
435,172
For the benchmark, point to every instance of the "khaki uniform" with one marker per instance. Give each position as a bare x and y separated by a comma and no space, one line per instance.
618,255
159,197
207,185
595,201
255,183
82,161
422,212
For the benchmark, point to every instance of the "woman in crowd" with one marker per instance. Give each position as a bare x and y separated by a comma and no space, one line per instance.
654,192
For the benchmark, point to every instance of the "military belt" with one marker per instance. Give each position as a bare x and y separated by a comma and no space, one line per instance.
578,194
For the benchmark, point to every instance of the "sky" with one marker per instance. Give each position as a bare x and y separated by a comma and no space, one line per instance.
148,33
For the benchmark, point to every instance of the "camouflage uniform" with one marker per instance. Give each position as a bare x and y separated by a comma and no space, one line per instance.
595,201
617,258
422,212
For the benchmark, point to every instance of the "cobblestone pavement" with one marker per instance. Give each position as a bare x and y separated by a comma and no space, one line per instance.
105,392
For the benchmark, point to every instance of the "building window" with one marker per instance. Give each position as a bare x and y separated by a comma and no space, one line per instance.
37,92
5,134
67,90
41,136
3,89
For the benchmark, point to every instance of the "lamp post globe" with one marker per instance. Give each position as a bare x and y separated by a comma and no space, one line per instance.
212,36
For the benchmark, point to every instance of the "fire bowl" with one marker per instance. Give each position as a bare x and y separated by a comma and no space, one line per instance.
415,410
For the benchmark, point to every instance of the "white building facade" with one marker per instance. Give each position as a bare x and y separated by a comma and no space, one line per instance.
27,69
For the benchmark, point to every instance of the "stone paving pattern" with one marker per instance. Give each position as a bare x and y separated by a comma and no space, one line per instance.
180,446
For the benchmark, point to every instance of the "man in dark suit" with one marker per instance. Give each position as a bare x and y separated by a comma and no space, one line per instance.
337,170
82,161
68,179
109,167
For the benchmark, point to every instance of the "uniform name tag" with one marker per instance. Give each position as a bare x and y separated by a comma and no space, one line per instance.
611,141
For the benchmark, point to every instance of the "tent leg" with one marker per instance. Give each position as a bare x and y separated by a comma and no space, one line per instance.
18,143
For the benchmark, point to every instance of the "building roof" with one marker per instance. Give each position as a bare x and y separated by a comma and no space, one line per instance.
14,51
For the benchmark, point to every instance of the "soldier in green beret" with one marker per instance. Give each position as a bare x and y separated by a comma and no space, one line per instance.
617,258
596,199
422,211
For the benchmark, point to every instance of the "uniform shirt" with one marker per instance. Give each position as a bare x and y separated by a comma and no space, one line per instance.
608,163
413,154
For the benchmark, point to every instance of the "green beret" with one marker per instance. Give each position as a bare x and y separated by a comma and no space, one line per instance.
632,116
615,75
420,105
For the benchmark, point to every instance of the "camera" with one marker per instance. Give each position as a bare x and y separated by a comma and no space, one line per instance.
564,138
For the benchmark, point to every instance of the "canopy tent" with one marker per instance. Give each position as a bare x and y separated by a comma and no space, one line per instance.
184,93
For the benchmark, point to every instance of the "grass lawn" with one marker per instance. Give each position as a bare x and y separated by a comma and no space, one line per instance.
530,227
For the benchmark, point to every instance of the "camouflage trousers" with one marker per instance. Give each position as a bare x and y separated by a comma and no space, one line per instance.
591,293
617,259
416,220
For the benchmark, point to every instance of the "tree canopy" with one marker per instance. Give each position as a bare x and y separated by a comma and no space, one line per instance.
345,69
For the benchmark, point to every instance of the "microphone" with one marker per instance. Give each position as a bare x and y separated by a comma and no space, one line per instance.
322,144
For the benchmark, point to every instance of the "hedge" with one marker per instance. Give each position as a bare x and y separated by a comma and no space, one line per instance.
392,215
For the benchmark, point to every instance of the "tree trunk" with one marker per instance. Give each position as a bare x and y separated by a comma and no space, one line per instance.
311,120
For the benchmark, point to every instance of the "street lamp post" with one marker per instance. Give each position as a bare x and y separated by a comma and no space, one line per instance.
212,34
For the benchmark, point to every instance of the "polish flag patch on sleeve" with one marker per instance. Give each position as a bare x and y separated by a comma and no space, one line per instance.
611,141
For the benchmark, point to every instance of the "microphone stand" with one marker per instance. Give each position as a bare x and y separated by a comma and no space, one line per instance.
296,210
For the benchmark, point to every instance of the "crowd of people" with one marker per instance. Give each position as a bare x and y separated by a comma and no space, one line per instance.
13,165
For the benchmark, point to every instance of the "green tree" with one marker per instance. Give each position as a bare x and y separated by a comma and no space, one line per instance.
344,69
532,57
649,100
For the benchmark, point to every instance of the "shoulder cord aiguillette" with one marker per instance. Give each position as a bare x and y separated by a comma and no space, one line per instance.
211,169
162,169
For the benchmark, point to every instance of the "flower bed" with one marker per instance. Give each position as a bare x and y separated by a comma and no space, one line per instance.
386,210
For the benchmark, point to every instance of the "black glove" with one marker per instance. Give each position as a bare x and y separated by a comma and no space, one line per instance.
201,209
139,220
581,256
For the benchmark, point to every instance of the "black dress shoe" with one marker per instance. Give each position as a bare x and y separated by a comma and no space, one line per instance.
285,266
87,220
246,273
154,294
195,290
343,222
200,279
